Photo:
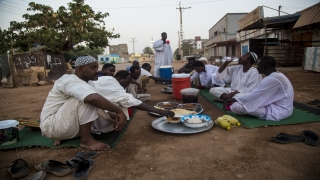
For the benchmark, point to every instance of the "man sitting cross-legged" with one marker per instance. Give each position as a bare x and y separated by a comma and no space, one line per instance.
243,77
113,89
135,72
72,106
271,100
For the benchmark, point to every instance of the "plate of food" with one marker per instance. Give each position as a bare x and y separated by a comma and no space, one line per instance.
161,124
167,105
167,90
173,120
182,112
196,120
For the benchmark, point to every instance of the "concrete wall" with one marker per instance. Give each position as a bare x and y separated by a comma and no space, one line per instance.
232,22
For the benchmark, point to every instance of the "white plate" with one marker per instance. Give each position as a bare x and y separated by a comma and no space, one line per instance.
162,125
199,110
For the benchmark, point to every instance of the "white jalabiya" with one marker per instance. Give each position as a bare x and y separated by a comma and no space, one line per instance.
64,110
271,100
163,56
208,78
242,82
109,88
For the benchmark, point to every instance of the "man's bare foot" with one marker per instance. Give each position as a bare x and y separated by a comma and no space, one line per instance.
57,142
93,144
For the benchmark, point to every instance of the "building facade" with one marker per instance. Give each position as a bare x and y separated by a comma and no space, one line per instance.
222,36
120,49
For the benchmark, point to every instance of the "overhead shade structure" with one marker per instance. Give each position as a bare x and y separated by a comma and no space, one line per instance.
272,22
309,16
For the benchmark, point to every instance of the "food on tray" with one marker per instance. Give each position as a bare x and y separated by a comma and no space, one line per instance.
173,119
189,105
183,111
167,105
158,107
194,120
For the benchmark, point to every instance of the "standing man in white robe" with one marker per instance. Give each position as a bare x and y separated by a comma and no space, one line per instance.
206,74
243,77
163,56
271,100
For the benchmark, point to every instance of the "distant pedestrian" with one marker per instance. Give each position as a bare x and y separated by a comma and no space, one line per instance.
163,56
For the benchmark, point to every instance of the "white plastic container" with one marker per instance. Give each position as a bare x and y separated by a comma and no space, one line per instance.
9,132
190,91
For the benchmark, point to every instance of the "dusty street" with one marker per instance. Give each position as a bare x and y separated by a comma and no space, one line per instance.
145,153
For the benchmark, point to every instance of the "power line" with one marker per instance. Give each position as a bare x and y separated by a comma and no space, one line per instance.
15,7
131,7
14,3
9,12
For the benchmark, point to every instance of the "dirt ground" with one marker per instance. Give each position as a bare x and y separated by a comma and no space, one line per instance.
145,153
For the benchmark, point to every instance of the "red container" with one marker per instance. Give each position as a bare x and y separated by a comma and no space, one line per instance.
179,82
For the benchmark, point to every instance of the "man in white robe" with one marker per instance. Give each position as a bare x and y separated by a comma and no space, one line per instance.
206,74
271,100
72,106
163,55
243,77
113,89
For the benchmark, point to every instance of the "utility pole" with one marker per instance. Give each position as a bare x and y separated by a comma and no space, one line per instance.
279,9
133,41
181,31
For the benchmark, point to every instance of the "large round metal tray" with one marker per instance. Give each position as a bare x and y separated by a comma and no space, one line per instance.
162,125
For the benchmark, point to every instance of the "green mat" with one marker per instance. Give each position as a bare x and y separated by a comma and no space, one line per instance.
301,114
28,138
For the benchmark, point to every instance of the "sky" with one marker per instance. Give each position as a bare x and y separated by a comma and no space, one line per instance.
145,20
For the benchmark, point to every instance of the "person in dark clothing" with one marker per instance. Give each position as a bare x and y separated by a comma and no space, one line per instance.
187,68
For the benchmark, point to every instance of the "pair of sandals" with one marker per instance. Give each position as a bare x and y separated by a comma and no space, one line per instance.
315,102
82,162
309,137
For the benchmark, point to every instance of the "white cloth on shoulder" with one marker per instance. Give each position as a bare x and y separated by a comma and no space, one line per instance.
274,94
163,56
109,88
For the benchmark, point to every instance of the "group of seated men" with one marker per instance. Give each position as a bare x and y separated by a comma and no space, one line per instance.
83,103
242,89
90,101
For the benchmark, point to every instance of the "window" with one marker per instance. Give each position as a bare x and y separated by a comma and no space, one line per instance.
224,29
101,59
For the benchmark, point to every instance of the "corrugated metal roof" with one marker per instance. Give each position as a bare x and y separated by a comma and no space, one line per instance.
272,22
311,15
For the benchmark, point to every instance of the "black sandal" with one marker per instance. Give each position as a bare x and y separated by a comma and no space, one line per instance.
284,138
18,168
73,162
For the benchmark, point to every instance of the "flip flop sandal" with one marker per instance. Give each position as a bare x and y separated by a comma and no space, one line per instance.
82,170
73,162
39,176
311,138
18,168
54,167
284,138
314,102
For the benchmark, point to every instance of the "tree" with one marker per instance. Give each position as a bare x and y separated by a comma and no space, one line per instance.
186,48
4,42
87,51
76,25
147,50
